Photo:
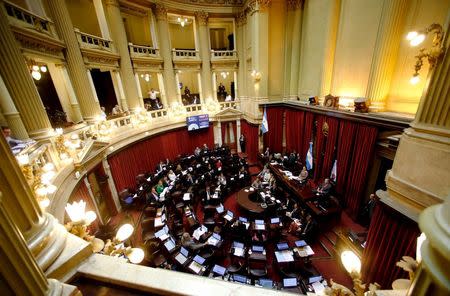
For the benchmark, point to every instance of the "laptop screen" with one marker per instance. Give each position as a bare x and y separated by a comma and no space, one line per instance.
238,245
199,259
314,279
216,236
257,248
275,220
300,243
289,282
266,283
180,258
243,219
184,251
219,269
240,278
169,244
282,246
220,209
230,213
259,222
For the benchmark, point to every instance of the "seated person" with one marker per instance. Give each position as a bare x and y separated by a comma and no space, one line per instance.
303,175
153,196
16,145
295,225
257,184
116,110
309,226
171,175
159,187
259,236
161,166
221,180
189,243
197,151
294,213
324,188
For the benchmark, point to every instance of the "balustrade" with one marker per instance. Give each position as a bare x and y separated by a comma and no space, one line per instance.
185,54
143,51
223,54
94,42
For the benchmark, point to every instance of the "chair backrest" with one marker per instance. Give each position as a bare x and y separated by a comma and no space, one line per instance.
124,193
148,224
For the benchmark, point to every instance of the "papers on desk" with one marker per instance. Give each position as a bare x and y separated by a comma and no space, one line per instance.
187,196
195,267
319,288
284,256
220,209
287,173
199,232
238,252
305,251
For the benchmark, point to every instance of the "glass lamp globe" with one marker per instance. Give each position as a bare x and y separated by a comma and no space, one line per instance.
136,256
124,232
351,262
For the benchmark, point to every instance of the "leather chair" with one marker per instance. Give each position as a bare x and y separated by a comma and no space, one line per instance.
257,268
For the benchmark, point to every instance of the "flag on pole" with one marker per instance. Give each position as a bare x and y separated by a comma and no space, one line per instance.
264,124
333,176
309,157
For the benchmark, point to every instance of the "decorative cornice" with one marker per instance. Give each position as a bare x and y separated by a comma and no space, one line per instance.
39,43
241,18
160,12
294,4
133,10
202,17
214,2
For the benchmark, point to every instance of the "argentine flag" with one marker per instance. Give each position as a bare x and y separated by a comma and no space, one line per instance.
309,157
333,175
264,124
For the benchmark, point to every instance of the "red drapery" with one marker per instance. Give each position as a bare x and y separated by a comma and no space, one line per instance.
226,133
366,137
307,134
347,131
274,137
82,193
144,156
330,155
294,130
223,128
391,236
318,146
251,134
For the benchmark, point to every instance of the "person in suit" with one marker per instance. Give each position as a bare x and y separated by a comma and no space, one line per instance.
310,226
324,189
160,167
189,243
242,142
303,175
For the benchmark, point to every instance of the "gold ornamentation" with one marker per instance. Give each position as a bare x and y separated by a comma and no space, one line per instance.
241,18
112,3
160,12
202,17
294,4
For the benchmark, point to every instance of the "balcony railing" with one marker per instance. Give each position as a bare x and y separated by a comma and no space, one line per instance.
232,104
193,108
24,18
143,51
223,54
178,54
94,42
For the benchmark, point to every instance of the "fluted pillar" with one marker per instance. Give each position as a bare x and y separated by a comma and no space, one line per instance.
111,184
433,276
45,237
119,37
90,108
205,53
10,113
166,53
20,85
384,58
241,20
294,8
19,273
118,87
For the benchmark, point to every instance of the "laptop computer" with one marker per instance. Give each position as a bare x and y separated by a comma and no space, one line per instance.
259,249
266,283
240,278
275,221
184,251
290,282
243,219
259,222
180,258
314,279
199,259
282,246
300,243
220,270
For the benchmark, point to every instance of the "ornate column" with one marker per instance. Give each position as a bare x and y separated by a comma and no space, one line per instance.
162,89
20,85
100,12
19,273
241,21
10,113
43,234
165,50
90,108
294,8
76,111
433,276
238,135
126,68
387,45
205,53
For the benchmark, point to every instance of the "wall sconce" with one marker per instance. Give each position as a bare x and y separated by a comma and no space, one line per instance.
36,70
43,184
146,76
433,54
256,75
224,74
182,21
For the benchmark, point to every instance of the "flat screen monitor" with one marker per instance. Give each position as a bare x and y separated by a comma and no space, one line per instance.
243,219
184,251
199,259
257,248
282,246
169,244
289,282
300,243
266,283
180,258
240,278
275,220
219,269
238,245
314,279
230,213
220,209
259,222
197,122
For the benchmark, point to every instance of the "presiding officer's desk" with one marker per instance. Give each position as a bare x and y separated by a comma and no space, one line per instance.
246,199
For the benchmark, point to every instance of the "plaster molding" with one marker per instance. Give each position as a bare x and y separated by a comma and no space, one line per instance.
241,18
202,17
294,4
160,12
37,42
112,3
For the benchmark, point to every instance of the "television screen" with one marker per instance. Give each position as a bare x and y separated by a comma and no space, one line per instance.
197,122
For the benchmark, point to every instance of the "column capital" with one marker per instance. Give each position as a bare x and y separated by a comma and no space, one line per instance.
258,5
112,3
294,4
160,12
241,18
202,17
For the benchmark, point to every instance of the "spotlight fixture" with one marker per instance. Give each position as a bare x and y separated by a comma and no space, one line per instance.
433,54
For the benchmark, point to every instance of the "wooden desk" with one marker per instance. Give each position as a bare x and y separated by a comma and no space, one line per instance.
303,192
243,200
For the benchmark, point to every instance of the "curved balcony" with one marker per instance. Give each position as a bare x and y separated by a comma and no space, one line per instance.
94,42
145,57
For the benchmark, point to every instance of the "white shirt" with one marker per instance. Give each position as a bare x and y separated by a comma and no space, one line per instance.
153,94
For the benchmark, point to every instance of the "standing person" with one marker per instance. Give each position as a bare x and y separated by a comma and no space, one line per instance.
154,101
242,143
